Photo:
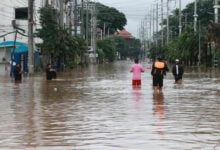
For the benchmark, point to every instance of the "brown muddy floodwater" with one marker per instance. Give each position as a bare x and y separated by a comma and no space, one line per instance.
96,108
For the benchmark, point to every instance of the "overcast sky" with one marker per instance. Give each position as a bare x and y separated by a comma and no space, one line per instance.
136,10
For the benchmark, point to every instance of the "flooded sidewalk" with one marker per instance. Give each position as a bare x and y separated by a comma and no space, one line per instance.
96,108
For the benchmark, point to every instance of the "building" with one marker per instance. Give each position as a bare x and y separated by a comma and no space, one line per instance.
128,47
124,34
14,28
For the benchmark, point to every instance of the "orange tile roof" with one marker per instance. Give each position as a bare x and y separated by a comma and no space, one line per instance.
125,34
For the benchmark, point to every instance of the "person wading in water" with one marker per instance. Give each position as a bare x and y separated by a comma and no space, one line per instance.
177,71
136,69
159,69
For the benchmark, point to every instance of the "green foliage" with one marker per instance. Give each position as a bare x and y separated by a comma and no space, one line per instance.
111,17
120,46
135,49
58,42
186,46
101,55
204,11
128,48
49,31
107,46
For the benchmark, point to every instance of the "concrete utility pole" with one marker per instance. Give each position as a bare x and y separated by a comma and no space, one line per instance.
61,13
87,23
157,28
180,18
104,31
93,30
46,3
162,22
145,37
152,22
150,25
195,16
70,17
82,19
30,37
199,57
216,7
75,18
168,32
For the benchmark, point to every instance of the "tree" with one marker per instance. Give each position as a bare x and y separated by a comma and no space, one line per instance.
49,30
120,46
107,47
135,49
111,17
58,43
186,46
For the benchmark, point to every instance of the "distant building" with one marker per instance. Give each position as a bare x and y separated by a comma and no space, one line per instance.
130,39
14,25
124,34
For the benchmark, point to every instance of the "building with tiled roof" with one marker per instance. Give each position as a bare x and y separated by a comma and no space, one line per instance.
125,34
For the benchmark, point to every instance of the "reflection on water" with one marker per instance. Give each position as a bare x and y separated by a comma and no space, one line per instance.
158,101
136,92
96,108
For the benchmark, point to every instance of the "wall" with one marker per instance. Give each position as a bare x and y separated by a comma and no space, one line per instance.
7,14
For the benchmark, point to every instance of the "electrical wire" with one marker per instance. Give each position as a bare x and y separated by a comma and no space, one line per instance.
132,8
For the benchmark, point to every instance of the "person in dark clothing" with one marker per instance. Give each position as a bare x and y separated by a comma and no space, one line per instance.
50,72
17,72
177,71
158,71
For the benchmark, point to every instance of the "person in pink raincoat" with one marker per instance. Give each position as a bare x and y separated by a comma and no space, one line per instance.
136,69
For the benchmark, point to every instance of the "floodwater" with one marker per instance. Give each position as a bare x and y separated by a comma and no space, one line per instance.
96,108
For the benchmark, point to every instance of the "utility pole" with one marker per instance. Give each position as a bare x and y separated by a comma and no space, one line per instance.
30,37
152,22
104,31
199,57
108,32
87,23
75,17
162,22
216,6
157,28
70,17
94,30
46,3
168,32
195,16
61,13
82,19
180,18
150,25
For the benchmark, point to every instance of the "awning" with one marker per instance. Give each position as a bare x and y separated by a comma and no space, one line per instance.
20,47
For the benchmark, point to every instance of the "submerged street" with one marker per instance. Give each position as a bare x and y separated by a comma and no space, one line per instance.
96,108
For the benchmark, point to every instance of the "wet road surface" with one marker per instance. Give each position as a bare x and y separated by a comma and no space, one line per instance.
96,108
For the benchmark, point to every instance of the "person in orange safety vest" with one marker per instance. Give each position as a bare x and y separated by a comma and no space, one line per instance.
159,69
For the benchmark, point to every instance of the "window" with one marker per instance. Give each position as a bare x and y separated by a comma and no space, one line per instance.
21,13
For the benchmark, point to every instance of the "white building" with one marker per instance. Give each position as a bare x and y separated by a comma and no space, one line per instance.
14,16
15,13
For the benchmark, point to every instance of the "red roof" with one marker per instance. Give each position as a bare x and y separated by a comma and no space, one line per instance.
125,34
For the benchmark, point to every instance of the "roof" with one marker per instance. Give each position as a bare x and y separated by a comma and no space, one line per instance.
20,47
125,34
